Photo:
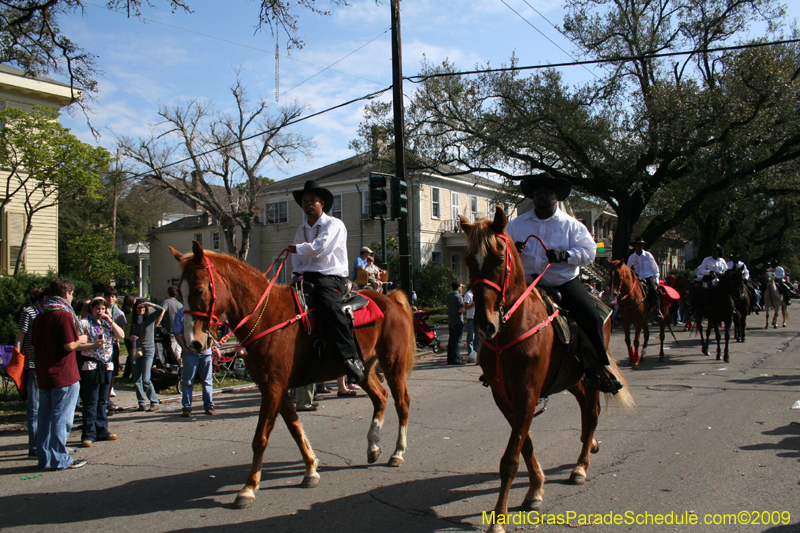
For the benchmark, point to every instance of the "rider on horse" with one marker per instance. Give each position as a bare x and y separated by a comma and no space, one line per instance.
752,290
569,247
320,257
780,281
644,264
706,276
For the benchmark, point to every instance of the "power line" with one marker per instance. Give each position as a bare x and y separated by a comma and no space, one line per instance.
369,96
543,35
420,78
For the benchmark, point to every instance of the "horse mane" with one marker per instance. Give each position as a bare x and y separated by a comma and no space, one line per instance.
478,240
237,265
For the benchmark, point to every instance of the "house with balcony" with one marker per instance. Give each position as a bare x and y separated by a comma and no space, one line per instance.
41,253
434,203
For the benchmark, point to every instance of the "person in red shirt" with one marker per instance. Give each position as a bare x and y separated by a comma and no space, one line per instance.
56,337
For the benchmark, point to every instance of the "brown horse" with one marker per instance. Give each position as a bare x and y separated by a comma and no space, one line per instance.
522,359
218,285
635,310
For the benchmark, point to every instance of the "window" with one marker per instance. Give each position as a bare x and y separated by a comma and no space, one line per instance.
199,238
365,205
435,203
336,210
436,258
215,240
276,213
281,275
455,263
455,206
473,208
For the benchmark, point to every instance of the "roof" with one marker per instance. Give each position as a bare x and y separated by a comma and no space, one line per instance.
192,222
15,81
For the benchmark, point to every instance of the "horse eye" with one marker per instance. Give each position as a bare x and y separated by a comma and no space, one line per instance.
199,290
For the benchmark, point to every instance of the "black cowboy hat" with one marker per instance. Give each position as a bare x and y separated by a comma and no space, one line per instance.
638,240
716,247
313,187
561,186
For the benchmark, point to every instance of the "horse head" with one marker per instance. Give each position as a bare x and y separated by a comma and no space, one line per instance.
623,279
205,295
495,272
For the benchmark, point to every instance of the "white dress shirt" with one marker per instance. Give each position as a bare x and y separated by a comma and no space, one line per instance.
561,232
469,299
321,248
644,265
710,265
745,272
779,272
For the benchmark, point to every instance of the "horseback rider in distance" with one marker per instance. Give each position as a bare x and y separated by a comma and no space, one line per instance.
320,257
644,264
569,247
706,277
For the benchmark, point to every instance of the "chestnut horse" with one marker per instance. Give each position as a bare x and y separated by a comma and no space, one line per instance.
218,285
635,309
521,357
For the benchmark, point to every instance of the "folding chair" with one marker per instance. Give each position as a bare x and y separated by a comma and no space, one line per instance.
223,365
5,358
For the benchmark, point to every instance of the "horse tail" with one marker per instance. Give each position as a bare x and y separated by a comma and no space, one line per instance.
400,298
623,398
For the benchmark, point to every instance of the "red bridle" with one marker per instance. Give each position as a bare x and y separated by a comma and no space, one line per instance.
505,317
246,341
211,270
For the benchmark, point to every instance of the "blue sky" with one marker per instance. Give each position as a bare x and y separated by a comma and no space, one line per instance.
170,58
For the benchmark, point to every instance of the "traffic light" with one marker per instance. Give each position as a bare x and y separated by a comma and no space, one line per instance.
377,195
399,198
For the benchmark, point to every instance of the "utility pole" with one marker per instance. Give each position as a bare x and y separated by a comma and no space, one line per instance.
400,144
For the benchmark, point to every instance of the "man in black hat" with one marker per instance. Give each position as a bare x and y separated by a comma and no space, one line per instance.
569,247
644,264
320,248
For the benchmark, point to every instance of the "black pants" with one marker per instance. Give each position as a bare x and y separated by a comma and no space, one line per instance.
328,292
575,299
655,297
454,343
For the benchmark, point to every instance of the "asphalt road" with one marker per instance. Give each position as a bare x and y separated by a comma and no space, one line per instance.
708,437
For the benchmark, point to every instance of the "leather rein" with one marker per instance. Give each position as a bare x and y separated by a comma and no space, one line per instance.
212,317
494,345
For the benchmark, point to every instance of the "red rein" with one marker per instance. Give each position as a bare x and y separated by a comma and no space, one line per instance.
247,341
504,317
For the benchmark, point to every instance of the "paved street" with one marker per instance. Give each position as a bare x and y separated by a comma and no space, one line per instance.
708,437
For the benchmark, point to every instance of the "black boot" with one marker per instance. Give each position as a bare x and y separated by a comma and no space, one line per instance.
598,378
354,369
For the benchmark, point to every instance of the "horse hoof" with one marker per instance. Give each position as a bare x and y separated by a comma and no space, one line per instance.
309,482
719,357
532,505
726,359
396,461
243,502
373,455
577,479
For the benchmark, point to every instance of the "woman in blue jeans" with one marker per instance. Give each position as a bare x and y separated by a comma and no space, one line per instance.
146,316
95,366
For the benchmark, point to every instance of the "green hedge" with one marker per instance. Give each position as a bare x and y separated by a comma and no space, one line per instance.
432,283
14,292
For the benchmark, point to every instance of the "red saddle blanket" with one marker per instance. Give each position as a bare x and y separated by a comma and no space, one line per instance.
669,291
366,315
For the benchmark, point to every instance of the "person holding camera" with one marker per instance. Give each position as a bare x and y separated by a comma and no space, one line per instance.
96,364
146,317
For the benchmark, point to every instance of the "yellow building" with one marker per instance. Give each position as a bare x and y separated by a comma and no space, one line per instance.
41,253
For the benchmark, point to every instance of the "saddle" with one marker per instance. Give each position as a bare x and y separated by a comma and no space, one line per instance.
567,332
359,309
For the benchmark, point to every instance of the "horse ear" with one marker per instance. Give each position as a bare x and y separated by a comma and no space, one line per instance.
178,256
197,250
500,220
607,263
465,224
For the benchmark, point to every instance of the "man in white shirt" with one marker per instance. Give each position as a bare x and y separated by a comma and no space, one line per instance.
569,247
644,264
712,265
320,257
737,262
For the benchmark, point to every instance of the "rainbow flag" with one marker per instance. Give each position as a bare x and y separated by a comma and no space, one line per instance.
601,247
